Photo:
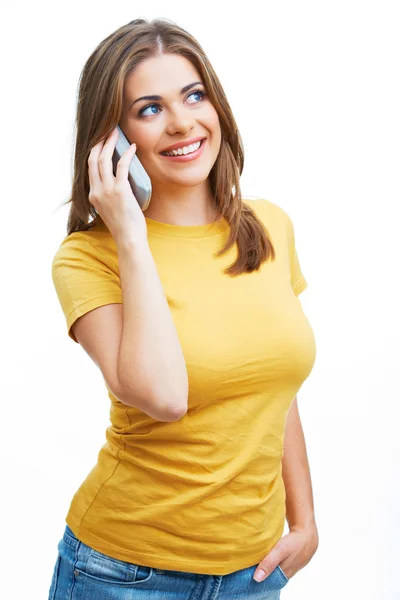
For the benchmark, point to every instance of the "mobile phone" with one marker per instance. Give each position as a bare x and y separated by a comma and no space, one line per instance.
139,180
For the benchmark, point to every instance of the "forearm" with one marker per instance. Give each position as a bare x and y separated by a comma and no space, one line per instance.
296,473
151,364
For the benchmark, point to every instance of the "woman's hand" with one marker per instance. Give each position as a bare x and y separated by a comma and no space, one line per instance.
292,552
112,196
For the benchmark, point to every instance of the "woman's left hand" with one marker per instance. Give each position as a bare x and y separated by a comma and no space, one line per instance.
292,552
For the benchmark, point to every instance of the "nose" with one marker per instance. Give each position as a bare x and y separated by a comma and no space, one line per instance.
180,120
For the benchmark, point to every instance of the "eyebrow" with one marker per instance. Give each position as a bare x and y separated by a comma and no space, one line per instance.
183,90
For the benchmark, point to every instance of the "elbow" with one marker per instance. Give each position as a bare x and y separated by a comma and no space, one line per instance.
174,414
168,410
154,407
165,410
164,413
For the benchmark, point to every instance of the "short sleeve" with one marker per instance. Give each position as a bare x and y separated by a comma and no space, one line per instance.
84,278
297,279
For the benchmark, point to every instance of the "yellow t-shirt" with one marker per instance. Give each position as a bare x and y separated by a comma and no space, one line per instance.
204,494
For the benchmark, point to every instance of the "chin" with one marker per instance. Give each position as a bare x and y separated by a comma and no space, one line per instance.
186,176
191,180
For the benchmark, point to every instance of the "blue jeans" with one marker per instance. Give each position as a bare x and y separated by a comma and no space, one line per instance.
81,573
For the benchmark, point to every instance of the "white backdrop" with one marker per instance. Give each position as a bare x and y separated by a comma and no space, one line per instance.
315,89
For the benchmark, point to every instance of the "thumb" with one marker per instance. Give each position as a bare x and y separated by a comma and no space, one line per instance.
269,562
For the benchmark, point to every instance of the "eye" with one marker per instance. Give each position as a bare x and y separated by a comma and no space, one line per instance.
141,112
200,92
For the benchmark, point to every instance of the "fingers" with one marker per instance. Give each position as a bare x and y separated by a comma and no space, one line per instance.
105,160
100,164
100,161
124,162
93,166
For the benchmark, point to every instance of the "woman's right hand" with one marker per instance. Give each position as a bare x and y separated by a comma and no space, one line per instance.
112,197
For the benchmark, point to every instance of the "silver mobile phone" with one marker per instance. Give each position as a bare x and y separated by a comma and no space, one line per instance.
139,180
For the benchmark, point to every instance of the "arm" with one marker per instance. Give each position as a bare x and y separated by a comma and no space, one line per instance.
151,362
296,475
295,549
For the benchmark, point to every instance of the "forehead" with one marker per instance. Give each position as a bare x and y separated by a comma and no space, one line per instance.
163,75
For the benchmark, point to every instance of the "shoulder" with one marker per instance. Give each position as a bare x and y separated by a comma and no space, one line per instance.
268,212
96,242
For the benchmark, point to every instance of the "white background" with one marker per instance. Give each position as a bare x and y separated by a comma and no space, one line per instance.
314,87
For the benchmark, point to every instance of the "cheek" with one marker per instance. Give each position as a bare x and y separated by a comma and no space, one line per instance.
146,141
143,138
214,124
216,131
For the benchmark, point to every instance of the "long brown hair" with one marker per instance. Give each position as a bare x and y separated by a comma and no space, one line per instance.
99,109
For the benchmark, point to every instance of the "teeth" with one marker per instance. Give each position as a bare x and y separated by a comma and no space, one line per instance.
185,150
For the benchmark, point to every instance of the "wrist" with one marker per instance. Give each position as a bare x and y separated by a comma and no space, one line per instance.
138,245
304,525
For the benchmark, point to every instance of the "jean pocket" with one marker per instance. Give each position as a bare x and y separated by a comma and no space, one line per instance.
105,569
283,574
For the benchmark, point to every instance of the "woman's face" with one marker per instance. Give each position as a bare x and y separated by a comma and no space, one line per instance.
175,118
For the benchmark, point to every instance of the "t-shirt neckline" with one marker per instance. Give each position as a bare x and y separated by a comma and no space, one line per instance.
186,231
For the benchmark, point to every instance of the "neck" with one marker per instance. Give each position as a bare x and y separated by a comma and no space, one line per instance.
183,206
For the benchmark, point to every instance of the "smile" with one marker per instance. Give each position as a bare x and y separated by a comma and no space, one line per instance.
192,152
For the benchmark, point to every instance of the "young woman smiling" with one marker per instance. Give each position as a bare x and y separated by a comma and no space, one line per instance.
190,310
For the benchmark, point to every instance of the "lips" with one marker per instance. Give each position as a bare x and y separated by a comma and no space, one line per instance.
184,158
183,144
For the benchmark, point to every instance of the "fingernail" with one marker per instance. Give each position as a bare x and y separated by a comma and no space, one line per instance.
259,575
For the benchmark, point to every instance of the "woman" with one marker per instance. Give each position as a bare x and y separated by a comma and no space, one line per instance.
190,311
